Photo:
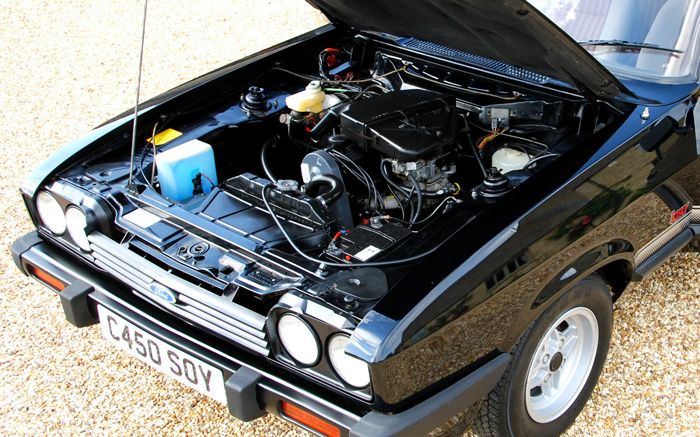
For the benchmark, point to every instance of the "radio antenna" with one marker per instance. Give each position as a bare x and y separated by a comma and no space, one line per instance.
131,186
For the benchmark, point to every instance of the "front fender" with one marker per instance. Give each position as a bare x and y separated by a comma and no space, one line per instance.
497,306
69,153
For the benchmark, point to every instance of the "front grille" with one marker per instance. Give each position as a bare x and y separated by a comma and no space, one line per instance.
217,314
457,55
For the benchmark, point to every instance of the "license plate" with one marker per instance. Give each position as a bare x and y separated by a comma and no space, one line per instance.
170,360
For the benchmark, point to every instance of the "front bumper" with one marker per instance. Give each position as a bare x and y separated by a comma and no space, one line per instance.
253,385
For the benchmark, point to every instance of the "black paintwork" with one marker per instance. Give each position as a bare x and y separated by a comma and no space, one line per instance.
435,320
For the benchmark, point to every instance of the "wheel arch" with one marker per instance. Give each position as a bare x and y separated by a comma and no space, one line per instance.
618,275
613,261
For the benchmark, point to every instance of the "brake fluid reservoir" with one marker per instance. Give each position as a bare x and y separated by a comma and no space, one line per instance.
309,100
177,167
507,159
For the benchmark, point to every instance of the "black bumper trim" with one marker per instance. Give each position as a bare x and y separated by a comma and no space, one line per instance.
22,245
75,304
438,409
241,395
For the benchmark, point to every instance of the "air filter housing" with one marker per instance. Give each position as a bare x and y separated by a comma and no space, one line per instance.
404,125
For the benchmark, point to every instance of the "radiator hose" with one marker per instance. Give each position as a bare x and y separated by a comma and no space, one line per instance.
334,187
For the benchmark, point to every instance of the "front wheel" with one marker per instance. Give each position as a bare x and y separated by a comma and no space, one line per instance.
555,366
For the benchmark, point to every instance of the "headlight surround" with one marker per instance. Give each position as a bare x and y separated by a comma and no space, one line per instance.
77,223
351,370
50,213
299,339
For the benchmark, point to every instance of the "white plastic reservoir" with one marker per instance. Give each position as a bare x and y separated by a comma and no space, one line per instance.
309,100
177,167
507,159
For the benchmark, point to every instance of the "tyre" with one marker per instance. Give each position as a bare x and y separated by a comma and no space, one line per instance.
555,366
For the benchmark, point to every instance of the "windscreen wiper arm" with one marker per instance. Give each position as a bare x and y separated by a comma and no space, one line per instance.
622,43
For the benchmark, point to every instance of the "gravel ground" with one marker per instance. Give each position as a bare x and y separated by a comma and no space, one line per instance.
66,66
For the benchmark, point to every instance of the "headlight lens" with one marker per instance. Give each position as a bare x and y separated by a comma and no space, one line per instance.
298,339
76,221
51,213
351,370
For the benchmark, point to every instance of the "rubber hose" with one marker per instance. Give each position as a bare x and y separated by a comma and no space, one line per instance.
325,180
263,157
419,207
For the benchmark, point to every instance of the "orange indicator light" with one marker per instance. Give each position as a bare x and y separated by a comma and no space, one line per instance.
310,420
47,279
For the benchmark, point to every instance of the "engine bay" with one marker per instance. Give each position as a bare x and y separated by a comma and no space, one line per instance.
343,156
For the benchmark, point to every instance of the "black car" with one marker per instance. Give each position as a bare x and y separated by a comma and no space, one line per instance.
411,219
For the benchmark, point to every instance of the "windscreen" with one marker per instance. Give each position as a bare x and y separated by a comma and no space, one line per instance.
648,37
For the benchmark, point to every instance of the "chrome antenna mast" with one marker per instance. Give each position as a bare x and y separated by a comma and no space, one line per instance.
130,185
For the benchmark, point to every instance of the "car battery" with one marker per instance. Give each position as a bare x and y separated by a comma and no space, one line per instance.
364,242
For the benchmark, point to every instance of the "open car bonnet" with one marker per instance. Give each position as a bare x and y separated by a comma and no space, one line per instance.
511,31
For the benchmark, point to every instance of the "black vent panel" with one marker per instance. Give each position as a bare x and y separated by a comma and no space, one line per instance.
457,55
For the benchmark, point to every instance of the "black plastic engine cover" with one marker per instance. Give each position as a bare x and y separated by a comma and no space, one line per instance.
405,125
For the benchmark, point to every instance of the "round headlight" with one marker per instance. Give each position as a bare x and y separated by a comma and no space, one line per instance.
351,370
298,339
51,213
76,221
